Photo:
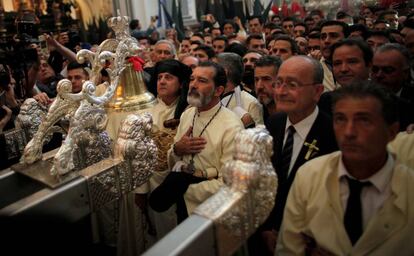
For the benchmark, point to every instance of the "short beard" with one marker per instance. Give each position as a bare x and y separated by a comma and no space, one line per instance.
266,101
198,100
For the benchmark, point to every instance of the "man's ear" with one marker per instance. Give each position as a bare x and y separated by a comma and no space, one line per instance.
319,90
219,91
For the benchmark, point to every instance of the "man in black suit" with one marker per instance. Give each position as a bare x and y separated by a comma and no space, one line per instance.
391,68
300,133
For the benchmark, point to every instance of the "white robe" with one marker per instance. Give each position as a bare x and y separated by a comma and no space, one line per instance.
247,102
219,149
164,222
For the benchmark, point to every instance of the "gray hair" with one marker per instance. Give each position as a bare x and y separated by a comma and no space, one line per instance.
170,44
233,63
316,68
396,47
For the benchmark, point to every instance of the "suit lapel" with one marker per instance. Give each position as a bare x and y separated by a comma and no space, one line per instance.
280,136
314,134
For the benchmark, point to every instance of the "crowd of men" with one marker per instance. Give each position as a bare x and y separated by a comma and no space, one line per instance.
332,93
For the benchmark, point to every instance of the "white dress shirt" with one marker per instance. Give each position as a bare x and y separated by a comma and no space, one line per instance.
372,197
302,129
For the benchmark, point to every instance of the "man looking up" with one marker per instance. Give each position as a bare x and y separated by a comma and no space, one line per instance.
203,143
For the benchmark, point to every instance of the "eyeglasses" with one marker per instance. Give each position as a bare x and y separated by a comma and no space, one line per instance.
385,70
289,85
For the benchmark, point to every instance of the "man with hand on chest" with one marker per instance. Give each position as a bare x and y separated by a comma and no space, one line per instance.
203,143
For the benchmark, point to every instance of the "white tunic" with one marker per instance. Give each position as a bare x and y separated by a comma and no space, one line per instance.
247,102
219,149
160,112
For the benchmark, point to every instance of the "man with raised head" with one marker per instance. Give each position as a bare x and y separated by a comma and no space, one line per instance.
203,143
300,130
357,201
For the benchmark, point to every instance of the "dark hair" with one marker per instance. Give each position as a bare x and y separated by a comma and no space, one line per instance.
385,34
253,36
269,61
207,49
256,17
134,24
396,47
293,46
302,24
409,23
362,45
316,12
387,12
345,27
220,78
270,25
289,18
364,89
231,22
307,18
233,63
221,38
75,65
378,21
361,28
236,48
342,15
315,34
255,51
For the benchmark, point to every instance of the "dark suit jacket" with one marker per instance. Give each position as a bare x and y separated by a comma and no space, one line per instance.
407,93
321,131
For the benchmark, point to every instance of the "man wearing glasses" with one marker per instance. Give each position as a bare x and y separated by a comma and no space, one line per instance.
391,68
300,133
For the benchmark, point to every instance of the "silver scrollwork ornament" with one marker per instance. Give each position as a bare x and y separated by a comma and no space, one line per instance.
248,196
136,147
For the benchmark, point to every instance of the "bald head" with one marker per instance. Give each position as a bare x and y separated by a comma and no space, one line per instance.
298,87
309,64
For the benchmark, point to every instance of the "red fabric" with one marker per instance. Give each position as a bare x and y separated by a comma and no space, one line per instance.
275,9
285,10
296,7
137,63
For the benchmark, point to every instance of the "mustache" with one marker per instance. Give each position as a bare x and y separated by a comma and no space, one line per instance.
193,92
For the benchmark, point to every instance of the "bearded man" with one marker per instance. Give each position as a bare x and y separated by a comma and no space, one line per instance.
203,143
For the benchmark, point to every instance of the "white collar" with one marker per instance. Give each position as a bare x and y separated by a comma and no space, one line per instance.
303,127
379,180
